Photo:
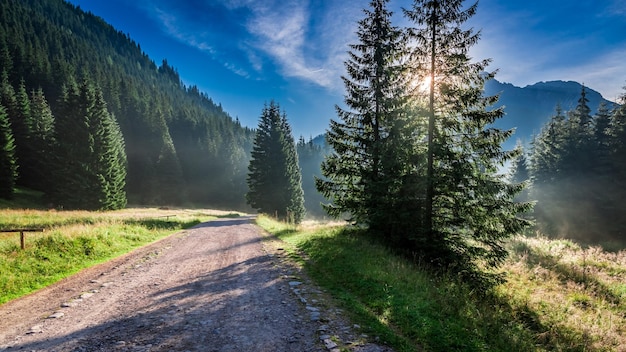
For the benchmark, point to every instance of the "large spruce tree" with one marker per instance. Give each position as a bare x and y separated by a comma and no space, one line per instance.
366,175
8,164
89,151
274,178
469,209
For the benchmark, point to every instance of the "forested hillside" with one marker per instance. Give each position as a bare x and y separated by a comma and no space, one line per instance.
180,146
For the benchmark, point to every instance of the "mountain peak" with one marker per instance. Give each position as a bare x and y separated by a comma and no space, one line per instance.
529,108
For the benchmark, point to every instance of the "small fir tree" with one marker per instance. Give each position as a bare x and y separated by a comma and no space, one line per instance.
617,157
520,173
24,141
274,177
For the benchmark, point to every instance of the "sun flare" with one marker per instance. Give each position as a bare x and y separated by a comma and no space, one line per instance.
421,83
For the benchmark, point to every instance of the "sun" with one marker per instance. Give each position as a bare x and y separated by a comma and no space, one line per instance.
421,84
424,83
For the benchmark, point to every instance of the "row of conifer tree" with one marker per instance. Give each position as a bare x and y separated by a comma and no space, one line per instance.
576,172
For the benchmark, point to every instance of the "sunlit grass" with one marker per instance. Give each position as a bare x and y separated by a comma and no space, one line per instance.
74,240
558,297
577,293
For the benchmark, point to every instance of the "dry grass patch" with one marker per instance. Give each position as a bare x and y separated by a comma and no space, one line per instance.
578,294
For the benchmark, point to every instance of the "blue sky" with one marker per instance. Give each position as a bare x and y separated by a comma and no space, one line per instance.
244,53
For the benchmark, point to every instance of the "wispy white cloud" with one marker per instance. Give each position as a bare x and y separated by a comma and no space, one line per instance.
283,31
174,29
616,8
303,41
178,26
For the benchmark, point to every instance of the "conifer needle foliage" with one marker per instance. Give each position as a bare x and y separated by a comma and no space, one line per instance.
91,160
419,167
274,177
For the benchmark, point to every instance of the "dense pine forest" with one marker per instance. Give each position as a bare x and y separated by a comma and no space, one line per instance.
163,142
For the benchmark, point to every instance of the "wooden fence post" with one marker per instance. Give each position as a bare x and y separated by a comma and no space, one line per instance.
22,236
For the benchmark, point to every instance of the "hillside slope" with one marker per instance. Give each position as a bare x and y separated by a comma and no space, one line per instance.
181,146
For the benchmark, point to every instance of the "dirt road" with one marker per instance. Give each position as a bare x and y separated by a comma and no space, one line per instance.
220,286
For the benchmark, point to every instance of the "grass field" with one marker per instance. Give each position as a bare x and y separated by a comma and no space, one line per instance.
558,296
74,240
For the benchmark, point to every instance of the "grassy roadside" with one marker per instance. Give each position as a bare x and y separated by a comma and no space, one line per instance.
75,240
558,297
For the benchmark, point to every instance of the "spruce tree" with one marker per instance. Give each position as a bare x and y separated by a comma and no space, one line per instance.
572,164
310,157
601,180
470,209
520,173
23,122
8,164
17,107
367,169
109,156
547,168
546,154
42,140
274,177
578,151
89,151
71,150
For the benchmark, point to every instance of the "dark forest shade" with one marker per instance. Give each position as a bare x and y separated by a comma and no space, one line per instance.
274,177
8,164
90,164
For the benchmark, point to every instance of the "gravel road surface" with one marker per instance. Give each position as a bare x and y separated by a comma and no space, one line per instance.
223,285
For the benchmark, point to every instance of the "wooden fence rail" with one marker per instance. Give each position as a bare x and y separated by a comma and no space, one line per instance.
21,231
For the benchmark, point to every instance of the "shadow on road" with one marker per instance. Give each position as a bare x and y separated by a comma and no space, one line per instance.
227,222
245,306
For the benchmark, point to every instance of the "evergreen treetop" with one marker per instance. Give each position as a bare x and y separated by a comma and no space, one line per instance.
274,178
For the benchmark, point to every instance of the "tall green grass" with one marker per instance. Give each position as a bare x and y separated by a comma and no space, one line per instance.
75,240
411,309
